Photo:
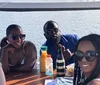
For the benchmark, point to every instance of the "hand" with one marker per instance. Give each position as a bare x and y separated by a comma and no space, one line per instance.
66,53
9,48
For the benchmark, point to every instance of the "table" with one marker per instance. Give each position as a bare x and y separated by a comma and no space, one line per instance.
27,78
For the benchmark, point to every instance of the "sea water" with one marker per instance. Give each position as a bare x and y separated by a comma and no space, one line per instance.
74,22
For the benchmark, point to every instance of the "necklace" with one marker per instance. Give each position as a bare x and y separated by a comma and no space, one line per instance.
82,79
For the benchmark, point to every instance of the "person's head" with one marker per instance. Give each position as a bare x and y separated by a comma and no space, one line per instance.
51,31
15,35
88,56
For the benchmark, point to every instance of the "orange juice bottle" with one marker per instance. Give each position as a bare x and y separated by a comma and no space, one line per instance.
43,60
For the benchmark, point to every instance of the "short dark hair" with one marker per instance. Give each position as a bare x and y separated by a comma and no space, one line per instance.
12,27
95,40
50,24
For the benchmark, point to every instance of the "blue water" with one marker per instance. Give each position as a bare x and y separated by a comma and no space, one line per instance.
77,22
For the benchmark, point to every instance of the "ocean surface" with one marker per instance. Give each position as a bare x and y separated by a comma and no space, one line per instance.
74,22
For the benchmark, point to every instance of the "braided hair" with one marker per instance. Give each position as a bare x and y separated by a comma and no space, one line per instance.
78,77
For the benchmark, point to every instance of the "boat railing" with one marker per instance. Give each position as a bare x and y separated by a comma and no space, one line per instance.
67,6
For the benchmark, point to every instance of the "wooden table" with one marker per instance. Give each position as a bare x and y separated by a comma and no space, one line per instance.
29,78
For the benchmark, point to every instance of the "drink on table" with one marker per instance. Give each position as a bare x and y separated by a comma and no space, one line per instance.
70,70
43,57
49,65
60,63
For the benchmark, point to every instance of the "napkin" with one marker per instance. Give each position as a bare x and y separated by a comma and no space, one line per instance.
50,82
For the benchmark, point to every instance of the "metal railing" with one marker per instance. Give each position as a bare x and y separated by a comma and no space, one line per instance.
49,6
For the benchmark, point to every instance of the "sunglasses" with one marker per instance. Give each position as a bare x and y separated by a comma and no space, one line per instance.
89,55
16,37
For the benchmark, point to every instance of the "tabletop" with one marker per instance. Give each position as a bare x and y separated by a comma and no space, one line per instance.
27,78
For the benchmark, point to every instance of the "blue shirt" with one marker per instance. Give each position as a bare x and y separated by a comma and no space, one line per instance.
69,41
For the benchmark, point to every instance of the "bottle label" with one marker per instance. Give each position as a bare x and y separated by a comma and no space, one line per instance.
60,66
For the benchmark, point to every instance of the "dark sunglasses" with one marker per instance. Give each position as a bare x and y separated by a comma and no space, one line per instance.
89,55
16,37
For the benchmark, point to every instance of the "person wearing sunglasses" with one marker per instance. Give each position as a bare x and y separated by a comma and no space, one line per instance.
17,54
54,38
87,61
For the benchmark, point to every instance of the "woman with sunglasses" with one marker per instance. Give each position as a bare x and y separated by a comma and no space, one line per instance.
16,53
87,64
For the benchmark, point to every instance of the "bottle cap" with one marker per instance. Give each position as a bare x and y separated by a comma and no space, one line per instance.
44,48
48,55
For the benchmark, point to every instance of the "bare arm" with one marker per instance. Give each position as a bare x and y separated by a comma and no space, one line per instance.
30,57
2,76
94,82
4,57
